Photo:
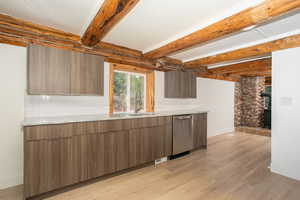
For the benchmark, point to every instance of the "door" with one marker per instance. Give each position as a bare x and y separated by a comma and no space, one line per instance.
182,134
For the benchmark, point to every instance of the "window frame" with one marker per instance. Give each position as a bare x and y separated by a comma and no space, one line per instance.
148,87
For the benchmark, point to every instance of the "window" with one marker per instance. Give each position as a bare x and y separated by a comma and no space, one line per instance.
131,89
129,92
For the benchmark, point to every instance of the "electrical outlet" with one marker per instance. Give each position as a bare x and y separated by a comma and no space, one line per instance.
161,160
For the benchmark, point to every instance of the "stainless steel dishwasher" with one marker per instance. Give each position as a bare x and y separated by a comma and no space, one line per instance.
182,133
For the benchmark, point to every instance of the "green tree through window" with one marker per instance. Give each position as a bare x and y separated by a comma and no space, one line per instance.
129,92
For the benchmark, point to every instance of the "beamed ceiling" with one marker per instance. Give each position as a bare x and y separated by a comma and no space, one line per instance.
163,35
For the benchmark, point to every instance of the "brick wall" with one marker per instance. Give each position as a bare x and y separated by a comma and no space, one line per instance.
249,105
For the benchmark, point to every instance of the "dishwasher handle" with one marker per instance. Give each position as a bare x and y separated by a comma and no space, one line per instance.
183,117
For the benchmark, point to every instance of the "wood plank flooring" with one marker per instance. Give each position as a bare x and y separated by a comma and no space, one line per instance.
254,130
234,167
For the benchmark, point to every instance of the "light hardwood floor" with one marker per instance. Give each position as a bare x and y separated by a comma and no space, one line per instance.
234,167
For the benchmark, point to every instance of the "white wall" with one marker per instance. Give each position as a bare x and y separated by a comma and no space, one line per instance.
12,90
286,113
213,95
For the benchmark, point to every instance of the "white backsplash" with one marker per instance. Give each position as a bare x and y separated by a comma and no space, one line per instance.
48,106
41,106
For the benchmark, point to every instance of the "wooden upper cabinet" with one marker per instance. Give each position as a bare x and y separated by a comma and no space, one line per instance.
48,71
179,84
87,74
54,71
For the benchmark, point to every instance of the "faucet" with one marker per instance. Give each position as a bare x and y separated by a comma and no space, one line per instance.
137,108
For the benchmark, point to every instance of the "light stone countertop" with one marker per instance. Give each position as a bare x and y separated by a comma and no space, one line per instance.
34,121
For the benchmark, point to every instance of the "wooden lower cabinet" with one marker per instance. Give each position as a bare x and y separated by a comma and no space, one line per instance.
80,158
200,130
148,144
48,165
82,151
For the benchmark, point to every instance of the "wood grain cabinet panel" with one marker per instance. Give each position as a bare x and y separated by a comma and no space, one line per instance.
48,132
179,84
87,74
116,152
122,149
80,158
48,165
140,148
48,70
200,130
107,153
95,155
54,71
172,84
148,144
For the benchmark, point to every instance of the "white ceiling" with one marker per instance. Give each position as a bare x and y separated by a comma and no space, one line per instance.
153,23
156,22
68,15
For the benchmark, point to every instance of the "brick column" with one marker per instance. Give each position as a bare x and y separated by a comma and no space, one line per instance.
249,106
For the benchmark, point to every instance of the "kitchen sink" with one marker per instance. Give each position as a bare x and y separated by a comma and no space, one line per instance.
117,115
120,115
141,114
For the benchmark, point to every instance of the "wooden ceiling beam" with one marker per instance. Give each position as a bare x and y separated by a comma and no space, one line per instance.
265,11
266,72
248,52
256,65
12,42
262,67
18,32
12,22
224,77
120,49
171,60
107,53
268,81
110,13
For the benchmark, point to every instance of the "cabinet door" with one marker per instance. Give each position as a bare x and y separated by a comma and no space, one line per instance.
116,151
180,84
183,91
200,130
95,155
107,153
140,147
168,145
191,85
148,144
48,165
87,76
172,84
80,158
48,70
158,141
